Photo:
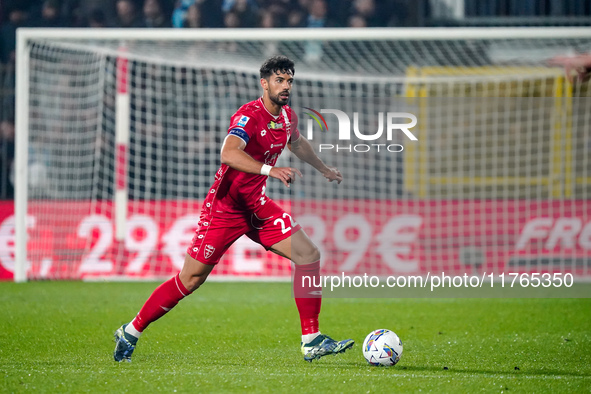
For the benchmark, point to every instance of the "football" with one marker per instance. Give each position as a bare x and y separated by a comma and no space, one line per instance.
382,347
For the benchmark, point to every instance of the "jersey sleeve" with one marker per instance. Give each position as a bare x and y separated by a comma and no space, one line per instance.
242,126
295,132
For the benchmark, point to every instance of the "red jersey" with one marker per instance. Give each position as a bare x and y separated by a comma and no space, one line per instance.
265,135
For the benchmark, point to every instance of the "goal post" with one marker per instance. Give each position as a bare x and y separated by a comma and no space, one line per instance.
118,134
21,159
542,81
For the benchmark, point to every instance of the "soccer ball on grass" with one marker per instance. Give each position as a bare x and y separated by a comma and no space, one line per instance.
382,347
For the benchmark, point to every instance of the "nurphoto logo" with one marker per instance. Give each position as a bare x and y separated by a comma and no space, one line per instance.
394,122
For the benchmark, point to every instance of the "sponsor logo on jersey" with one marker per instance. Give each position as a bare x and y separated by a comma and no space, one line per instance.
208,251
243,121
263,132
274,125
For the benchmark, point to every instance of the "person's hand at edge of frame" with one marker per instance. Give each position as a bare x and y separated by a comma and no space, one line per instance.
581,64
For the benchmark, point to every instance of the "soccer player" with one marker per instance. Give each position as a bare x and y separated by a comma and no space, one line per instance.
236,205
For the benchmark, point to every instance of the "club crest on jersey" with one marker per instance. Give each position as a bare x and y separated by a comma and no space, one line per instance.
243,121
274,125
208,251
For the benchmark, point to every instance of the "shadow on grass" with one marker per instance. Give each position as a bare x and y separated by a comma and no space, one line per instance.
452,370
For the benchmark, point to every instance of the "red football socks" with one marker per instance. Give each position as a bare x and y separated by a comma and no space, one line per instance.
308,295
307,292
163,299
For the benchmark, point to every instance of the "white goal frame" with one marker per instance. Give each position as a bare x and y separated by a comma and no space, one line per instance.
26,35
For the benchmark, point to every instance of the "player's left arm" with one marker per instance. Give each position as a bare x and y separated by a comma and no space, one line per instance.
304,151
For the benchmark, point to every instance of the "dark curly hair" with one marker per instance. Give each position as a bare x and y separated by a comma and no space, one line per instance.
277,64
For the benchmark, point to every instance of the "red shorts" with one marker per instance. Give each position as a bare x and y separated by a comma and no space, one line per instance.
216,233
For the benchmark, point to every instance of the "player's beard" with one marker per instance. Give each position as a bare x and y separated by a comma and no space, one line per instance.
277,100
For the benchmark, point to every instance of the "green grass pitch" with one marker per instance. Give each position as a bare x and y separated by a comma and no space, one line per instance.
235,337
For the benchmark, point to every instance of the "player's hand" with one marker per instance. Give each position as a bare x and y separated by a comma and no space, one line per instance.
333,174
581,64
286,175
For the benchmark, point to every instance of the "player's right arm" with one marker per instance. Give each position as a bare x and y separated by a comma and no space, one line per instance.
233,155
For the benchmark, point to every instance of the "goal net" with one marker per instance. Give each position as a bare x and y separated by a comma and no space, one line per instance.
119,133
